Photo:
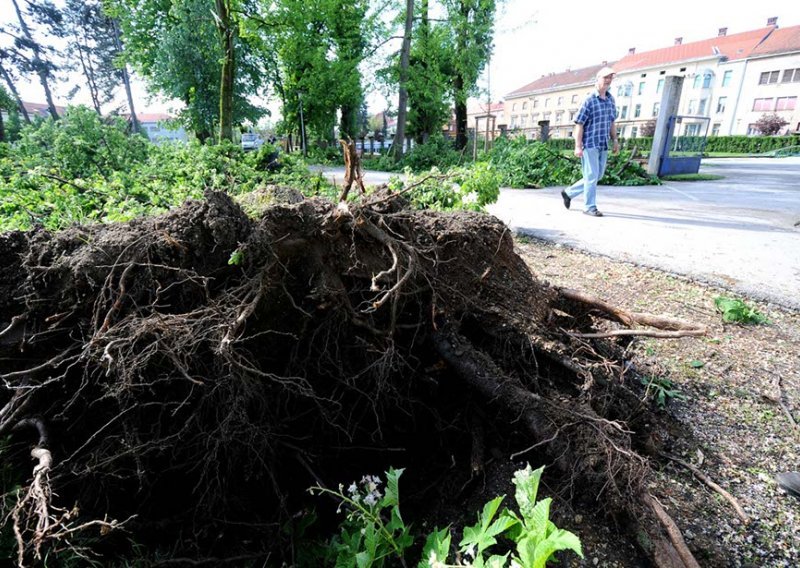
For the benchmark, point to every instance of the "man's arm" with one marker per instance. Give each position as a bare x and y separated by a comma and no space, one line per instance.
614,138
578,139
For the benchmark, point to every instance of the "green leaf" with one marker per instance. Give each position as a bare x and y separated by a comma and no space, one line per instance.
392,496
496,561
481,535
527,483
696,364
437,548
559,540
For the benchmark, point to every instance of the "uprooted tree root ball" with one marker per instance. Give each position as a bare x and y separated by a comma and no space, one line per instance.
183,379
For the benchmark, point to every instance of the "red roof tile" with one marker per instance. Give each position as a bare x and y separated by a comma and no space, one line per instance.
560,80
731,47
783,40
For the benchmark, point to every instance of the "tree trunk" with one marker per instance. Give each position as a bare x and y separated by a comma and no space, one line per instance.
126,79
41,66
461,113
402,103
15,94
227,33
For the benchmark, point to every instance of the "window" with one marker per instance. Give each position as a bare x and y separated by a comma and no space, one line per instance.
786,103
513,121
791,76
626,89
697,79
752,130
692,129
621,132
634,131
701,107
644,75
546,103
659,86
535,103
525,106
560,101
768,77
523,121
691,107
574,99
764,104
624,112
726,78
641,88
715,129
559,116
721,104
707,78
655,108
572,114
637,111
513,107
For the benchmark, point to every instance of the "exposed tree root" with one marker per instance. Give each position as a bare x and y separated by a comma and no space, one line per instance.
199,399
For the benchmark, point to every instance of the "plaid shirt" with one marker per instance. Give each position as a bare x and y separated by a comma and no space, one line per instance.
596,115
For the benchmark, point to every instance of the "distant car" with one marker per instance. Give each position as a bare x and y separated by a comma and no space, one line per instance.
251,141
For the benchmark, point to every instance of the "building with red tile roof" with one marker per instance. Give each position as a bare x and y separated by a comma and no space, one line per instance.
729,81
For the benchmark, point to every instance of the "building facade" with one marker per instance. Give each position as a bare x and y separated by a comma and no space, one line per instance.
730,81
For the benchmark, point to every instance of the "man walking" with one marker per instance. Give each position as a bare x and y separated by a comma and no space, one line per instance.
594,125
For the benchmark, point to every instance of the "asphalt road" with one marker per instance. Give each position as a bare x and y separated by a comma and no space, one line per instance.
741,232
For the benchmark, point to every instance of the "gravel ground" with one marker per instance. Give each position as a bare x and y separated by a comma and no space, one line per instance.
739,396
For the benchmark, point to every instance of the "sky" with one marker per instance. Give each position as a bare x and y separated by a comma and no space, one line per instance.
536,38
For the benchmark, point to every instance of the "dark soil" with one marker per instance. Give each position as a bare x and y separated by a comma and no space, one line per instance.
198,393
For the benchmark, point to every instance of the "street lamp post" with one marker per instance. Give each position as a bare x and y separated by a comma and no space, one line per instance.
302,124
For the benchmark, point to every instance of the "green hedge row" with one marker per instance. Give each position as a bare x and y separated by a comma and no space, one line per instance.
737,144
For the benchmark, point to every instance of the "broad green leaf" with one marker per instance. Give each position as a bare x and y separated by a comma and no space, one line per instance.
392,496
437,548
527,483
363,560
536,524
478,534
496,561
559,540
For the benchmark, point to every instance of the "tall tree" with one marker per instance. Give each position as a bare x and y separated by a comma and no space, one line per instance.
175,45
29,54
126,79
471,24
92,47
402,98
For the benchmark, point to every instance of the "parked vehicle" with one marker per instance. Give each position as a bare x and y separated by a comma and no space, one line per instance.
251,141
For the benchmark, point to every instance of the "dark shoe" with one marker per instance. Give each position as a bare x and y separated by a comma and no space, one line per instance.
593,213
566,198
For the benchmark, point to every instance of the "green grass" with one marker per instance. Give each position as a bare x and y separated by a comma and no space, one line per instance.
692,177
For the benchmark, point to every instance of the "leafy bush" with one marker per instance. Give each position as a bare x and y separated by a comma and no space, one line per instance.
373,532
469,188
436,152
736,310
81,170
535,164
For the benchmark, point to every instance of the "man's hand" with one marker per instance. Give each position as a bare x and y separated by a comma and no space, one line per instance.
579,152
616,146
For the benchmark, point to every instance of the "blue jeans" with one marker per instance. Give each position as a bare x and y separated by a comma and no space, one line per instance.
593,164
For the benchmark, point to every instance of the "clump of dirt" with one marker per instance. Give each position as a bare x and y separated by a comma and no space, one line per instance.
193,374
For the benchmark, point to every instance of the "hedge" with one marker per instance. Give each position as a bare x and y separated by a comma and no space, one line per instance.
733,144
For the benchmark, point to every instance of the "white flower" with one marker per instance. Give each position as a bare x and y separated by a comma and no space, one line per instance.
370,499
471,197
353,489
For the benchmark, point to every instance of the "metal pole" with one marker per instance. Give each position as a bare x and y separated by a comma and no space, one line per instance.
302,125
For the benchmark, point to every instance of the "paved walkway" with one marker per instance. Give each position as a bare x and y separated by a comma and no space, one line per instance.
738,232
741,232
